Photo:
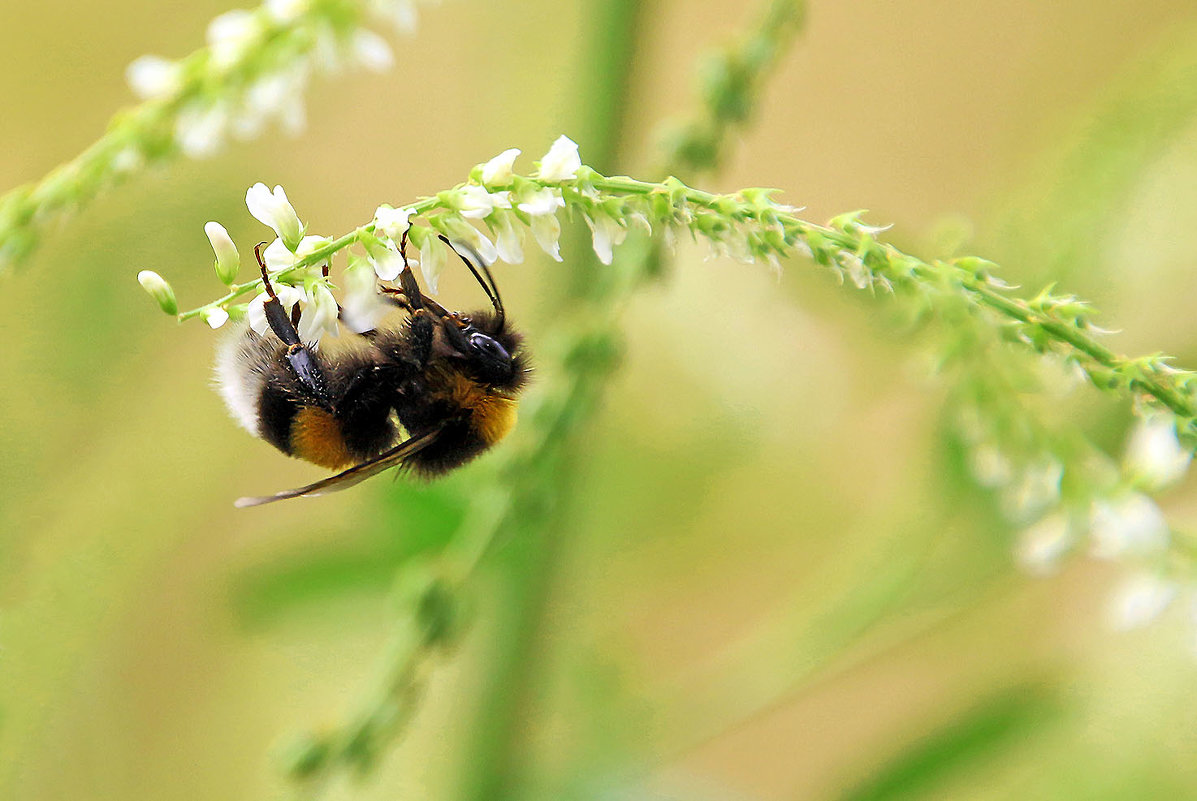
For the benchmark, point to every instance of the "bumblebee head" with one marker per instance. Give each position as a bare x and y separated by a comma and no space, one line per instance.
490,351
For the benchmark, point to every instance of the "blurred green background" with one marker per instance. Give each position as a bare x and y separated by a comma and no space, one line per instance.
777,580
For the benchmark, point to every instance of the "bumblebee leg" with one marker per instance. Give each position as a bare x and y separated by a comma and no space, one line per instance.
300,357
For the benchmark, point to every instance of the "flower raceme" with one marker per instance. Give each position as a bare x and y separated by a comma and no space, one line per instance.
496,207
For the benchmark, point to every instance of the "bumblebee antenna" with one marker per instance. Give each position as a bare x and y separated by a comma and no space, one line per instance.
491,289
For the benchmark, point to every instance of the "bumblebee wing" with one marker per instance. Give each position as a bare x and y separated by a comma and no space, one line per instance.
354,475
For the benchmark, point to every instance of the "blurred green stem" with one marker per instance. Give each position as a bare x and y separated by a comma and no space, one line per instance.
494,756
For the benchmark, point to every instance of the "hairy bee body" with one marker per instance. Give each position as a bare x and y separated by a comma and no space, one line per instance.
371,387
428,394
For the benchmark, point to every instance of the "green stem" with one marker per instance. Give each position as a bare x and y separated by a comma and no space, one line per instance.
496,752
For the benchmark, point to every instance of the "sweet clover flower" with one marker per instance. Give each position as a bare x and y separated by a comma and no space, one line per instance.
273,209
561,163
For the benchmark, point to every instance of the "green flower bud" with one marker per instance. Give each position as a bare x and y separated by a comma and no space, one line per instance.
228,261
159,290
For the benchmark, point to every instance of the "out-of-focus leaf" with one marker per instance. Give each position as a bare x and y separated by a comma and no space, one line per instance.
980,734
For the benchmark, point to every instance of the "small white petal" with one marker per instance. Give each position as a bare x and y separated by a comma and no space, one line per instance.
1035,490
543,201
232,35
128,160
274,210
606,232
289,294
392,223
1140,600
279,257
546,228
1131,524
320,316
1041,546
509,240
562,161
286,11
255,313
990,467
432,262
372,51
1154,454
386,260
153,77
215,318
473,202
362,308
498,170
200,130
462,231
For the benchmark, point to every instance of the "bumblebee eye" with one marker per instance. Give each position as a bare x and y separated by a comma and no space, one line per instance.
489,348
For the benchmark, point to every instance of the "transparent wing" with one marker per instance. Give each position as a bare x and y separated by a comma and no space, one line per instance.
354,475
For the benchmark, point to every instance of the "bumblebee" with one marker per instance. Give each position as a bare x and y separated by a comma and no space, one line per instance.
450,382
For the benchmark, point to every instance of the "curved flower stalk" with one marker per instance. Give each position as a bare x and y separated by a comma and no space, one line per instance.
750,226
253,72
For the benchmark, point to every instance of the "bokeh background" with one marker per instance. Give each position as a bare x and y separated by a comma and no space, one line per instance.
771,456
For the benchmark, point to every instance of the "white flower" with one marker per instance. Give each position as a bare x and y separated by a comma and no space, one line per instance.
990,467
279,257
1041,546
228,261
542,201
1140,600
385,258
232,35
200,129
1154,454
320,316
216,317
1131,524
606,233
153,77
362,308
273,209
159,290
542,206
128,159
371,51
499,169
278,95
432,262
547,230
392,223
562,161
473,202
1037,488
509,240
285,11
459,229
288,296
